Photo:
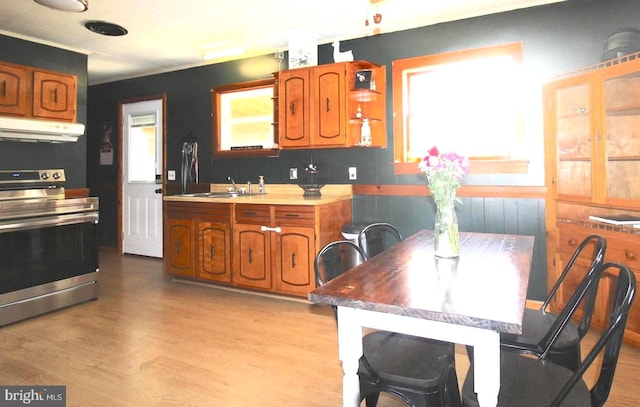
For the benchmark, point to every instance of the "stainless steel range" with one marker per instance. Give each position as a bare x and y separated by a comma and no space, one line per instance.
48,245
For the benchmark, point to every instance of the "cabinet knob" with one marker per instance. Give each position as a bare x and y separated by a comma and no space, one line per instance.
629,255
572,242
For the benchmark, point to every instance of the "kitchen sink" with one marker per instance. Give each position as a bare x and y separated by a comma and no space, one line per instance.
212,194
218,194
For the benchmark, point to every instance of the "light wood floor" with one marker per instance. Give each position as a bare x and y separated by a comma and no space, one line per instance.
150,341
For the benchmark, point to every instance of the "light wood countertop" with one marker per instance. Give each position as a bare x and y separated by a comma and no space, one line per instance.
276,194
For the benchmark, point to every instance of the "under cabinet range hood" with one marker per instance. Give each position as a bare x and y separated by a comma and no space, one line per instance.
33,130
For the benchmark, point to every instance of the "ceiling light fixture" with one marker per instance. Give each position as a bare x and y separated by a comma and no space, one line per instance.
223,53
76,6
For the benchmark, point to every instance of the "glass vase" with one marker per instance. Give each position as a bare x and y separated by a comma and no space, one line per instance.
445,229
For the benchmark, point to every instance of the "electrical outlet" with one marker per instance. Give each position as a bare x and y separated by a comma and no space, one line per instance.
353,174
293,173
171,175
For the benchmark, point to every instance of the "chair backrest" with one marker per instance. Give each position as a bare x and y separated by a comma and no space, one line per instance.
335,258
611,339
378,237
586,291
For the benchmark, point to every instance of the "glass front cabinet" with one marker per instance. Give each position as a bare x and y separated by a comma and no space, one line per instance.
593,136
592,165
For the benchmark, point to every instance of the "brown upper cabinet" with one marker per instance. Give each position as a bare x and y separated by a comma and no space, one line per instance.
326,106
14,90
35,93
54,95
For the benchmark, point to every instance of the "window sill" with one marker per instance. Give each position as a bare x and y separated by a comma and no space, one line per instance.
477,167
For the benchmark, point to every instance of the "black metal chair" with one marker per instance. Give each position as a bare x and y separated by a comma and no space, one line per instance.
540,326
377,237
419,371
526,381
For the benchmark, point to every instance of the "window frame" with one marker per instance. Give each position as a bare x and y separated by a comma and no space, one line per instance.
217,94
479,165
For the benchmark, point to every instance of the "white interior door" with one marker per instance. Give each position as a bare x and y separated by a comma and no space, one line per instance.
142,124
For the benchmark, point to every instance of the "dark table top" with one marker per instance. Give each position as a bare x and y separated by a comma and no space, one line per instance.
485,287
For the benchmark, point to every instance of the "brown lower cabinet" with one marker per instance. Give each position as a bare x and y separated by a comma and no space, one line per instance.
272,247
214,251
197,240
623,246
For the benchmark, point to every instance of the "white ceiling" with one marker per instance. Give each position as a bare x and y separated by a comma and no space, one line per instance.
166,35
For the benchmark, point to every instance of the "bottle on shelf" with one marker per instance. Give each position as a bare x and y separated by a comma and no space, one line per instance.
365,133
261,184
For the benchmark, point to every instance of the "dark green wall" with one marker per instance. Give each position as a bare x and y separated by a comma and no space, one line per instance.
72,157
557,38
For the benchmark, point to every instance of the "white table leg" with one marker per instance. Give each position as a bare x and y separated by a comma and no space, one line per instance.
487,368
349,351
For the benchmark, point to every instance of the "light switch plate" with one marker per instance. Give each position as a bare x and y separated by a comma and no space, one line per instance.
171,175
293,173
353,173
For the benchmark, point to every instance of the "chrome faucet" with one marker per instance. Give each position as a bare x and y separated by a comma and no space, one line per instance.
235,187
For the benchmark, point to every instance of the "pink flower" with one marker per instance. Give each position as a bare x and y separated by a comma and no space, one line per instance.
444,172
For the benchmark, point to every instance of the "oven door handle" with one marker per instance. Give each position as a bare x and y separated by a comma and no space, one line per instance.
45,221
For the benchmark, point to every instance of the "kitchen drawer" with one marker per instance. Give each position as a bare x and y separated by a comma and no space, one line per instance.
623,248
290,215
189,210
253,214
569,238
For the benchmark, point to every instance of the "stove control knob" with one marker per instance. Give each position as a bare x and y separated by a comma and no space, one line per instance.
44,175
56,175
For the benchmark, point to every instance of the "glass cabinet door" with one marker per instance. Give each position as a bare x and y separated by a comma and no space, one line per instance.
622,137
574,138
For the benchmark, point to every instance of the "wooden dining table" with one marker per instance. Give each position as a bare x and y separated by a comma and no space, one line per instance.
469,300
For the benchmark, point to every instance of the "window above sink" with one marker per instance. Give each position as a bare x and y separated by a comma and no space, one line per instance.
243,118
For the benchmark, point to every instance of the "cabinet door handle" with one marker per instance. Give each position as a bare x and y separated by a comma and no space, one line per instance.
250,256
629,255
249,213
292,106
292,215
293,260
268,229
4,88
212,251
327,104
55,96
178,249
